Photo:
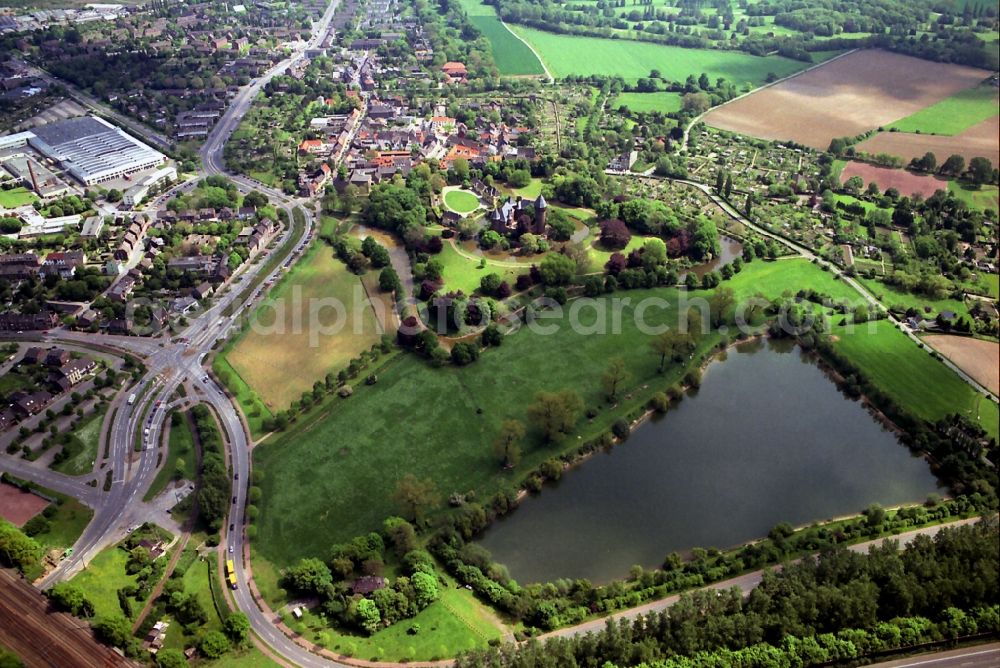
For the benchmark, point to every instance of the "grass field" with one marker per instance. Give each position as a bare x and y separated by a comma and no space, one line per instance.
102,578
16,197
89,435
453,624
461,201
646,102
511,55
912,377
180,448
70,519
463,273
953,115
982,198
894,297
285,354
571,54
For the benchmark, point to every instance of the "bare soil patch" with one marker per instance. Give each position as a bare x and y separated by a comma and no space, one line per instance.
980,359
979,141
859,92
18,506
907,183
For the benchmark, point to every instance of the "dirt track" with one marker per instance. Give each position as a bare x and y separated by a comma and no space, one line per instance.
980,359
45,639
979,141
851,95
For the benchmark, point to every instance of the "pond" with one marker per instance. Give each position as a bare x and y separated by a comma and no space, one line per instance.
729,250
767,439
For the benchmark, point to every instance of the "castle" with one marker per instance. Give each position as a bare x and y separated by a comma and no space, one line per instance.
511,218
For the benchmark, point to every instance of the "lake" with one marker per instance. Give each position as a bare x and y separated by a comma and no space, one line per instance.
768,438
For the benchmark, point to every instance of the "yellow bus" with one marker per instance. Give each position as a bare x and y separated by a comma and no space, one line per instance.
231,573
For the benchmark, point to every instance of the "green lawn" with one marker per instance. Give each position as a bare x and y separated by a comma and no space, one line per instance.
453,624
16,197
983,198
65,526
894,297
89,436
953,115
571,54
463,273
850,199
912,377
511,55
103,577
461,201
180,447
646,102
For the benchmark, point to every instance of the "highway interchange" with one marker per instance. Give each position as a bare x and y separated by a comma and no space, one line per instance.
170,363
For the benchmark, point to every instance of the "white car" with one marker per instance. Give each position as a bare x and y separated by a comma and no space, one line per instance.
231,549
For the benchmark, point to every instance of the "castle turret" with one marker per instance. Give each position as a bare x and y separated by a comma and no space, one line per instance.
541,212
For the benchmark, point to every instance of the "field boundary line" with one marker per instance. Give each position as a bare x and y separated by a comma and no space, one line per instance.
530,48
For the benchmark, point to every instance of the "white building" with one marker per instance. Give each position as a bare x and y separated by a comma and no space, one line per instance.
136,193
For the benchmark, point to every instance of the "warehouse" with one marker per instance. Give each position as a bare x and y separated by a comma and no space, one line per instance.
92,151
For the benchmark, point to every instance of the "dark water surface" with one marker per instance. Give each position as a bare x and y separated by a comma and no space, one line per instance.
768,438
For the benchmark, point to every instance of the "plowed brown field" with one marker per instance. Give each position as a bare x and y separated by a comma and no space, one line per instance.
979,141
907,183
980,359
854,94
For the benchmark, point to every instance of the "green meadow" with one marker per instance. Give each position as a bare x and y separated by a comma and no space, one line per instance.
953,115
512,56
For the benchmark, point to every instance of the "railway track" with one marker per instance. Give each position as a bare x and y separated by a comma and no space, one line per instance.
46,639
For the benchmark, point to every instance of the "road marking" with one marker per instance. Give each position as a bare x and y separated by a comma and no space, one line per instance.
949,658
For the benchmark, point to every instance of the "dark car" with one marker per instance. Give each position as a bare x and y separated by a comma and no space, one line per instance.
232,527
234,499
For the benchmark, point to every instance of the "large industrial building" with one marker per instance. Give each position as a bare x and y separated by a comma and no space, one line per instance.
90,149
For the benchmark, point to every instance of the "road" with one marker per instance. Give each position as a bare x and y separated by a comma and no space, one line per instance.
977,656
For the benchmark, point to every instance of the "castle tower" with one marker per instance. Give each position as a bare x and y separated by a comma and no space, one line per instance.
541,212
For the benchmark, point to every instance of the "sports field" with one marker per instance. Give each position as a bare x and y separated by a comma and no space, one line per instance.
953,115
511,55
646,102
461,201
315,321
845,97
572,54
913,378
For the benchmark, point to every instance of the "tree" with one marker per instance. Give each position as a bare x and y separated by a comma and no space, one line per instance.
519,178
490,283
309,575
721,301
365,614
213,645
114,195
954,165
728,188
614,377
460,167
555,413
507,444
402,535
170,658
980,171
69,597
669,344
557,269
492,336
415,496
237,627
388,280
615,234
114,630
17,549
695,103
425,585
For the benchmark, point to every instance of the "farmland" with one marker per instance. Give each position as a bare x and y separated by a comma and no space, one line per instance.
646,102
570,54
911,377
843,98
978,141
282,354
907,183
511,55
980,359
953,115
